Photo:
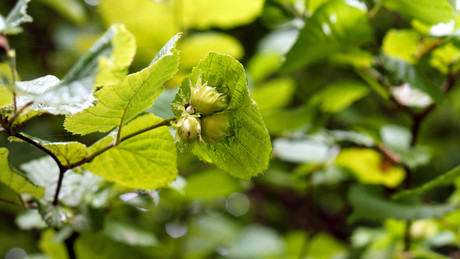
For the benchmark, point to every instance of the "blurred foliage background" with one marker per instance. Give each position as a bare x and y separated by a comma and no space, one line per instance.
359,98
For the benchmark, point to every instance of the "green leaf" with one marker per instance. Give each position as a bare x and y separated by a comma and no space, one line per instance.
339,95
18,15
225,14
255,241
411,74
106,62
13,180
210,184
426,11
198,45
444,179
147,161
71,9
368,204
403,44
128,234
334,28
118,104
66,152
283,88
246,152
50,247
6,97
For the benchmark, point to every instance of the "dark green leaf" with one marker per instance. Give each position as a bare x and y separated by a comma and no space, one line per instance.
368,204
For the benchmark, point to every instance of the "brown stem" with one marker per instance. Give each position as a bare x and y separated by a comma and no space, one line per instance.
90,158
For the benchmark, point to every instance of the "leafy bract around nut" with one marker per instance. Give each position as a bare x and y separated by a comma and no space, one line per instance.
235,138
206,100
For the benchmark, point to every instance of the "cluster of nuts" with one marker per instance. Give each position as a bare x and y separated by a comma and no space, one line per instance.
200,119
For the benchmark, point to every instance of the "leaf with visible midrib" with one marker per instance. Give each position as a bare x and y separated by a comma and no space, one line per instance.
368,204
246,152
146,161
15,181
117,104
106,62
444,179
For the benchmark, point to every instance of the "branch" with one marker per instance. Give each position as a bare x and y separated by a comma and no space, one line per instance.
90,158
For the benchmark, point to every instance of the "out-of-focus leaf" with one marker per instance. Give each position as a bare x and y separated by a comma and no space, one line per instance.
274,94
401,44
340,95
245,153
30,219
369,204
210,184
6,97
54,250
99,246
118,104
203,14
71,9
409,96
206,233
18,15
128,234
54,216
198,45
264,64
445,58
320,246
18,183
162,106
411,74
334,28
105,62
281,121
146,161
255,241
166,18
395,136
370,167
302,151
426,11
444,179
75,187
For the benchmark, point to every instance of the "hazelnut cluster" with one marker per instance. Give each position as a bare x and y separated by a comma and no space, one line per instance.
200,119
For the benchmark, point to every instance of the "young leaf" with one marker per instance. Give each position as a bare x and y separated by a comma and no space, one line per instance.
106,62
18,15
444,179
334,28
246,152
16,182
368,204
146,161
426,11
118,104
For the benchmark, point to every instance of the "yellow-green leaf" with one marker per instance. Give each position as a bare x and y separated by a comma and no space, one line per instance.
16,182
147,161
370,167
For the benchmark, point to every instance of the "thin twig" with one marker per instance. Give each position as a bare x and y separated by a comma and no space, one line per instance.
90,158
12,202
